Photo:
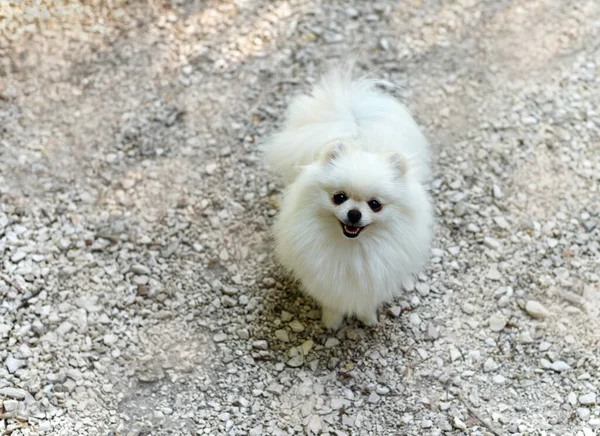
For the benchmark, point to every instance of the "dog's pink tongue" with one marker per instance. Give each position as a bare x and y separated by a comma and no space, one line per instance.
351,229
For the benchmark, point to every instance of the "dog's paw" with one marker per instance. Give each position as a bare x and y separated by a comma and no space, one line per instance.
332,319
369,319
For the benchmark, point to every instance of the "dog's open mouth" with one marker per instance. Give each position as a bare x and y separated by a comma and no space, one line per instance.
351,231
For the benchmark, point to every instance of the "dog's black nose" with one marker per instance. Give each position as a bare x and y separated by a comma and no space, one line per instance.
354,216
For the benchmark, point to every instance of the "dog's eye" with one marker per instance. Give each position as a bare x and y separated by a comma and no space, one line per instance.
374,205
339,198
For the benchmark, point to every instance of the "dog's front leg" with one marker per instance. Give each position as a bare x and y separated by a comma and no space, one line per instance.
332,318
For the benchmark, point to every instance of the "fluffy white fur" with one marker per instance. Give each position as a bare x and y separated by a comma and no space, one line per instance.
349,137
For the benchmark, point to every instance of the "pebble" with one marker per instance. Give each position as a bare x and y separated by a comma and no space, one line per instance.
110,339
295,361
260,345
525,337
497,322
306,346
432,332
426,423
459,424
394,311
572,398
18,256
13,364
490,365
373,398
588,399
422,289
536,309
296,326
16,393
501,222
594,422
275,389
256,431
332,342
11,405
315,424
468,308
560,366
497,192
454,354
414,319
282,335
210,168
583,413
286,316
499,379
220,337
352,12
140,269
491,243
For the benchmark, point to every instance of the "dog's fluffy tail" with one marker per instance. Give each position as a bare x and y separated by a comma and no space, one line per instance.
333,110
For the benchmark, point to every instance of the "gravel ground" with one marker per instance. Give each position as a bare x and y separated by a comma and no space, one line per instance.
138,290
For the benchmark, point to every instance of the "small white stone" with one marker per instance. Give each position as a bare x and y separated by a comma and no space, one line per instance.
414,319
572,398
536,309
332,342
497,192
588,399
492,243
422,289
560,366
395,311
499,379
490,365
13,364
497,322
256,431
295,361
220,337
140,269
275,389
110,339
525,337
260,344
468,308
315,424
457,423
373,398
210,168
584,413
454,354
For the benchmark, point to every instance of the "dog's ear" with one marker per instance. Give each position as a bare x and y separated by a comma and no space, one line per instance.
398,163
334,151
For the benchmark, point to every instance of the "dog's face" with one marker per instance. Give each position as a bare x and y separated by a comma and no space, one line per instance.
359,189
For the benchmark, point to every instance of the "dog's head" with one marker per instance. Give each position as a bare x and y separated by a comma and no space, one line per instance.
356,190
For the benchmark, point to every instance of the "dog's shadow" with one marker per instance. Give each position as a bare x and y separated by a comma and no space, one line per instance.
290,321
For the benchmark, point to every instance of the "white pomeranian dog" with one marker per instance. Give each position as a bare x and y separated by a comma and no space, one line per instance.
356,219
